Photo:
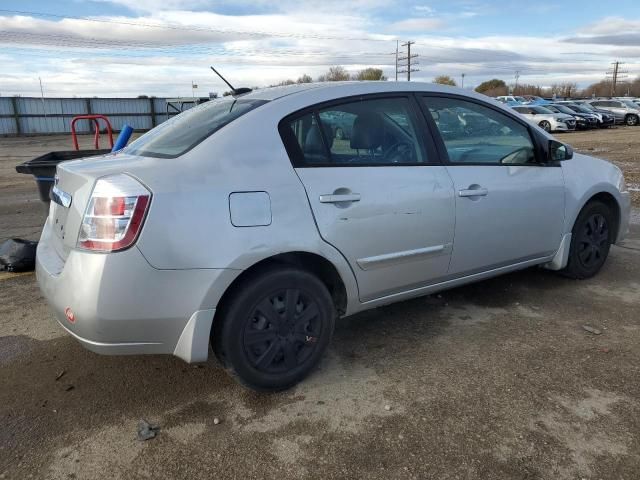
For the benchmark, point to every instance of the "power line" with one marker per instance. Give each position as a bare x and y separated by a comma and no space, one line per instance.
195,28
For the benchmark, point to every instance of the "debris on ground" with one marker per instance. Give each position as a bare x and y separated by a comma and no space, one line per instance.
589,329
68,388
146,430
18,255
60,374
387,408
216,421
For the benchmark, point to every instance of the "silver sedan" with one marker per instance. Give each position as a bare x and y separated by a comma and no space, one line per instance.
248,225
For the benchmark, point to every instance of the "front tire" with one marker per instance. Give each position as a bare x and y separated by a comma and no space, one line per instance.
275,328
591,240
546,126
631,120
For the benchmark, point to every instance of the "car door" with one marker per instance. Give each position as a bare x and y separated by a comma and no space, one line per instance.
614,107
379,196
509,204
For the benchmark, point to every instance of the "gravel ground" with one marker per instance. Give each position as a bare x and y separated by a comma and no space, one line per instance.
496,380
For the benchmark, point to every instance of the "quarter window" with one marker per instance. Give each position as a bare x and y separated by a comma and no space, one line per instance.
360,133
473,133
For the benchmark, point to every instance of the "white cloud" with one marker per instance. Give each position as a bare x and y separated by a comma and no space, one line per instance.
416,25
611,25
125,59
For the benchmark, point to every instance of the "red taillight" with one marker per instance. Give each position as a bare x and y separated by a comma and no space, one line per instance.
115,214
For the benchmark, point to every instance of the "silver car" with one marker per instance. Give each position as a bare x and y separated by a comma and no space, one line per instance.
546,119
245,224
624,111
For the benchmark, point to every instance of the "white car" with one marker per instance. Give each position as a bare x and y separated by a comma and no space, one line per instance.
511,99
546,119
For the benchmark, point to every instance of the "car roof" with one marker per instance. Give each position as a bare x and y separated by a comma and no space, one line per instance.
339,89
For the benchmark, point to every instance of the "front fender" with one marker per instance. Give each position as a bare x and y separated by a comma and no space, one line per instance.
586,177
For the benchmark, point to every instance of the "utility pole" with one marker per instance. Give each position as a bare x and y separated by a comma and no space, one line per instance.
616,74
407,68
396,60
462,83
515,89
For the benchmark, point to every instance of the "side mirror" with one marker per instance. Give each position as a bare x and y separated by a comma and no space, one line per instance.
559,152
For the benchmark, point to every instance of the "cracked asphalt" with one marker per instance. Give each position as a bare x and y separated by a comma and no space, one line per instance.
495,380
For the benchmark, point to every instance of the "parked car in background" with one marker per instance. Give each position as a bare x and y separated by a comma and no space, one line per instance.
624,111
546,119
608,119
193,236
605,118
511,99
584,121
535,100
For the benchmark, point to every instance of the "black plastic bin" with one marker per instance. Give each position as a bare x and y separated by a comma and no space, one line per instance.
43,168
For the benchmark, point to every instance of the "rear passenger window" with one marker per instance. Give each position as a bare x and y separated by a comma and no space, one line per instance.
364,132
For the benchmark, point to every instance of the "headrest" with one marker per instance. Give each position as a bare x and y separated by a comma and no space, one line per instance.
313,141
368,130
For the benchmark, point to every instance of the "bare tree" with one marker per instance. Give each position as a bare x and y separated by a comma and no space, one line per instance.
304,79
335,74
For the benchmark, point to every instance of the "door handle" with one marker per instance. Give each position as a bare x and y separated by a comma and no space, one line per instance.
340,197
473,192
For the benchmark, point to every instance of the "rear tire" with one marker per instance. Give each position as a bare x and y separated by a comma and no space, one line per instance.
591,239
274,329
546,126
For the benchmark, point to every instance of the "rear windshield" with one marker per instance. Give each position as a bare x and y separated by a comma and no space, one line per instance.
186,130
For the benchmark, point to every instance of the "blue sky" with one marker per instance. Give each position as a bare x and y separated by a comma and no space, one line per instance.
159,47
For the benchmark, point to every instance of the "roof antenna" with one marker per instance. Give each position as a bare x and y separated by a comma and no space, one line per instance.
235,91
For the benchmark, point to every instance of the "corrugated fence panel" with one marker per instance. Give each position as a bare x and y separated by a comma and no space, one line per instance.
54,115
49,124
106,106
7,126
6,107
138,123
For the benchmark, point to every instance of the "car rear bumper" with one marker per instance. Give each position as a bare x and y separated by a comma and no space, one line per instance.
122,305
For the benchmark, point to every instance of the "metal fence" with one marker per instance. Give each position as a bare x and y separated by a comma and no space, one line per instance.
33,115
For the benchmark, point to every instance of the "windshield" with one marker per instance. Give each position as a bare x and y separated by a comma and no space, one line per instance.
588,107
540,109
186,130
520,99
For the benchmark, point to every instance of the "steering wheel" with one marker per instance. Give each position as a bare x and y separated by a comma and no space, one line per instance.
512,157
398,153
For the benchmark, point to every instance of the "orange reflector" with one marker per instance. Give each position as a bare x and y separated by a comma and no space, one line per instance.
69,314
